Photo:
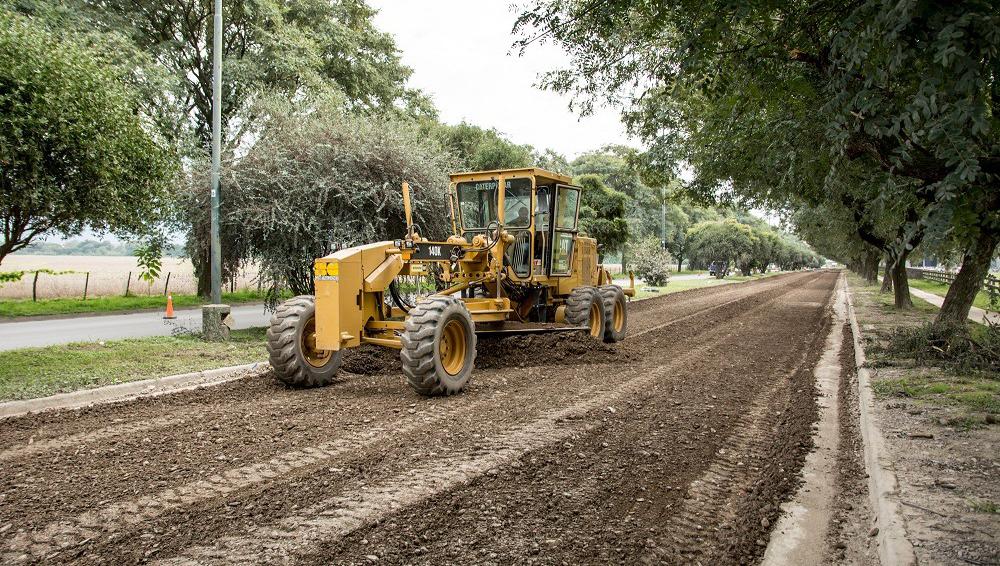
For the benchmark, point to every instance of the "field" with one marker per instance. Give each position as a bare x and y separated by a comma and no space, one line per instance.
674,446
109,276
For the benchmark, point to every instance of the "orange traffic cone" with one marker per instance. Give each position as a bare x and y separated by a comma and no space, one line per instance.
170,307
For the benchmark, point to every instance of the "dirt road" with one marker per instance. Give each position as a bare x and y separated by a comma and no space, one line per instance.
673,447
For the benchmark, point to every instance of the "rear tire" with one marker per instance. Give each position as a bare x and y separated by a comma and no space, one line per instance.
585,307
615,313
291,345
439,346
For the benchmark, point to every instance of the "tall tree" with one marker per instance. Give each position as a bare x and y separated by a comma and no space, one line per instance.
73,152
269,46
773,101
602,215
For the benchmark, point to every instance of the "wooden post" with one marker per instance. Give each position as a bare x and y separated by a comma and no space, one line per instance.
128,282
34,288
166,285
86,283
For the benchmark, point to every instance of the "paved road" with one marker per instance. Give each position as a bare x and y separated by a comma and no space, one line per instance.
111,327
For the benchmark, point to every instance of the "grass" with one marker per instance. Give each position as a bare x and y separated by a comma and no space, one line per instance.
977,394
37,372
685,284
14,308
974,394
982,298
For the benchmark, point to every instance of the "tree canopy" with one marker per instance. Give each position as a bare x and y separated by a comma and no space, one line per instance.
73,152
886,110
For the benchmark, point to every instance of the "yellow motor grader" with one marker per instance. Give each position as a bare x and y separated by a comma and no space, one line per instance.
515,263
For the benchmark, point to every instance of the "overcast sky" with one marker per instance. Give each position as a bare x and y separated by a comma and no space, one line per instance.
460,52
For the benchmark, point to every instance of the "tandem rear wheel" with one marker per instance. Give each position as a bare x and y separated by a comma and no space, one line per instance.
602,310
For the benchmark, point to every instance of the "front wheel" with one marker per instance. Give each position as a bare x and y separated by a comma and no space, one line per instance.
291,345
439,346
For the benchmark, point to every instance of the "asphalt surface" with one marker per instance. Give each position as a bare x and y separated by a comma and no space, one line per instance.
35,333
676,446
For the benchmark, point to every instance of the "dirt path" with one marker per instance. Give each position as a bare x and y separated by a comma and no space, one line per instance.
675,446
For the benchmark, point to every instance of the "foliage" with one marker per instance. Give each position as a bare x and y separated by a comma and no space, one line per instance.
321,178
149,259
954,346
73,151
722,240
479,149
94,247
887,110
292,48
602,214
650,262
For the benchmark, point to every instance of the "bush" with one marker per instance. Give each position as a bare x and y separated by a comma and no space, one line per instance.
650,262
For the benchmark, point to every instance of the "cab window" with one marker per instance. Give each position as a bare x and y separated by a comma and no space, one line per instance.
568,201
477,203
517,203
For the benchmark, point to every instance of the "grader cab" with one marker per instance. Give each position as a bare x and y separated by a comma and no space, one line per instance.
515,263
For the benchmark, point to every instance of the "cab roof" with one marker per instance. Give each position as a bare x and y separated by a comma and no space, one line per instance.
522,172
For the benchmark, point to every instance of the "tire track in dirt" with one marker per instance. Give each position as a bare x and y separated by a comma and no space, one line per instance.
130,513
412,486
571,502
342,514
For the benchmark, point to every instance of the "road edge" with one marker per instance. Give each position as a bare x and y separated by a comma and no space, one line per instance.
127,391
800,533
894,548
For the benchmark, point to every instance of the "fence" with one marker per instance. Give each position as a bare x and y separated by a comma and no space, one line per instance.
38,285
991,285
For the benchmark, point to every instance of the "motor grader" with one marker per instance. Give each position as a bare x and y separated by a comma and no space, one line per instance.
515,263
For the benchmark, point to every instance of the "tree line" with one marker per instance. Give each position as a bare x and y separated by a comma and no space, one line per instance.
872,125
105,125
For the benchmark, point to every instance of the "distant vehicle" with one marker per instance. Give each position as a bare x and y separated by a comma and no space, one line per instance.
718,269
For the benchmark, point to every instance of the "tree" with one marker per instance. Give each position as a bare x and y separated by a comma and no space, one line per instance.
73,153
319,179
602,215
650,262
725,240
480,149
292,47
786,103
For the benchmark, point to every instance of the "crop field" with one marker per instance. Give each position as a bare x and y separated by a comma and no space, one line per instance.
674,446
108,276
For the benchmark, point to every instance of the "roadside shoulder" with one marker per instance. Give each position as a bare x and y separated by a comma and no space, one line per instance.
930,444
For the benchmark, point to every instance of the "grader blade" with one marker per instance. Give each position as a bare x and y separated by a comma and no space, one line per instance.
514,329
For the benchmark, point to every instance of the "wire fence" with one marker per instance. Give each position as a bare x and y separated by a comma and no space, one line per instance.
39,285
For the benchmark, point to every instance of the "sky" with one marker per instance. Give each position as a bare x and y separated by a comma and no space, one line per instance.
461,55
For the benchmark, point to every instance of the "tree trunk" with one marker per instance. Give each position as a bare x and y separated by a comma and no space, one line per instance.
680,261
869,266
901,285
962,292
888,276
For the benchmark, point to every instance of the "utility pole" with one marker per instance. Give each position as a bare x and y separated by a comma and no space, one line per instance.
216,245
215,318
663,218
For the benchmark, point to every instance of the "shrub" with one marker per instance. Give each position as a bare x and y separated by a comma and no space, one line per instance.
650,262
